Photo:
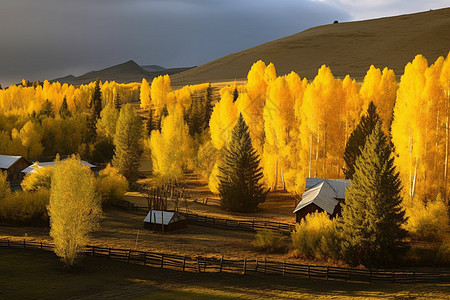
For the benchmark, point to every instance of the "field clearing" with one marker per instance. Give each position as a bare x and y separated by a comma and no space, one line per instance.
41,275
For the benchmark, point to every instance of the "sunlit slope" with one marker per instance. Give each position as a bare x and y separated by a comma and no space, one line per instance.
348,48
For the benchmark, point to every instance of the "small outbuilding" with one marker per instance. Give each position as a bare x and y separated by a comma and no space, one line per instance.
321,195
38,165
13,165
162,220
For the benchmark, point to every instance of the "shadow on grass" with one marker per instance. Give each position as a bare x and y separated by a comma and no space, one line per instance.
35,274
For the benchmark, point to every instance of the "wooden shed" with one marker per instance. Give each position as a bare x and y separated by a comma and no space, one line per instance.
13,165
162,220
321,195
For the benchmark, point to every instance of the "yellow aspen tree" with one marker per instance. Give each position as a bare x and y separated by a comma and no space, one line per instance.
223,119
161,93
30,135
380,87
145,94
171,149
408,128
74,208
321,130
445,84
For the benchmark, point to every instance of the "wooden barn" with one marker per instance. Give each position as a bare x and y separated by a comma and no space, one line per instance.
13,165
163,220
321,195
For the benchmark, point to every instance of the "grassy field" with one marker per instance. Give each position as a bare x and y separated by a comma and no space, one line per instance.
36,274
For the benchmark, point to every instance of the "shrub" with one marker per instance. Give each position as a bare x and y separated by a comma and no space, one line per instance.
270,241
4,184
25,208
427,222
316,237
41,178
111,185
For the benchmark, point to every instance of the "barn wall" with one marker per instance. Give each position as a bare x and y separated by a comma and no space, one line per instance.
299,215
15,171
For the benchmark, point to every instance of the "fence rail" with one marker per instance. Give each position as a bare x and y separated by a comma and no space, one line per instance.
247,266
224,223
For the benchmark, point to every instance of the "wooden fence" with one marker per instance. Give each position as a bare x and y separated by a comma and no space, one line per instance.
223,223
248,266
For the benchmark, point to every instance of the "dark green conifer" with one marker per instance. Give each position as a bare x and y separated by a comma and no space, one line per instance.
239,182
96,109
47,109
117,102
235,94
358,138
64,110
372,216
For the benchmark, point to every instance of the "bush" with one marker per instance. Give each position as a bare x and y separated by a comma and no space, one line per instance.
427,222
41,178
25,208
4,184
111,185
270,241
316,236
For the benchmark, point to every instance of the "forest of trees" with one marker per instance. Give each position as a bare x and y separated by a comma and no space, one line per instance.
299,127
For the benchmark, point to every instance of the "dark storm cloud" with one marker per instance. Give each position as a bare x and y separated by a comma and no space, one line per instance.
49,38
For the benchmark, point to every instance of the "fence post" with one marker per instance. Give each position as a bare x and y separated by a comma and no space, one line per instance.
8,244
162,261
24,244
226,223
198,264
184,263
245,266
265,265
253,224
93,250
109,253
414,276
41,245
328,270
129,254
221,264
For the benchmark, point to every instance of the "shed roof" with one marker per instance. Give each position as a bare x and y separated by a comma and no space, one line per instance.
323,195
158,216
32,168
6,161
338,185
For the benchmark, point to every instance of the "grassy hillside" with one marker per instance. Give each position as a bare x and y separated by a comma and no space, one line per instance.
348,48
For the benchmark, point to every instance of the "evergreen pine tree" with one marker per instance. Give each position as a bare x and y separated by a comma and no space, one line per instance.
239,182
150,126
96,109
64,109
235,94
117,101
208,105
372,215
47,109
358,138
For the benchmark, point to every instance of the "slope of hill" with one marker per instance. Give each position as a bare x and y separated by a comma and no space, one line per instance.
153,68
347,48
126,72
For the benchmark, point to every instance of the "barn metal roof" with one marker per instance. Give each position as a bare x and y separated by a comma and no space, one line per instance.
158,216
32,168
338,185
323,195
6,161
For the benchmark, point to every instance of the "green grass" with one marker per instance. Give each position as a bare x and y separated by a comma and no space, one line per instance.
36,274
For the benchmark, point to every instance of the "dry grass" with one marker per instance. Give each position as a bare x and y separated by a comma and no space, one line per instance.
40,275
348,48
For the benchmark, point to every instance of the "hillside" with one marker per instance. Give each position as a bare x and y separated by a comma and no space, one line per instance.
348,48
126,72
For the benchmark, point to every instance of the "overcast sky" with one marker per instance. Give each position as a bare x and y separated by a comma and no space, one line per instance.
45,39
